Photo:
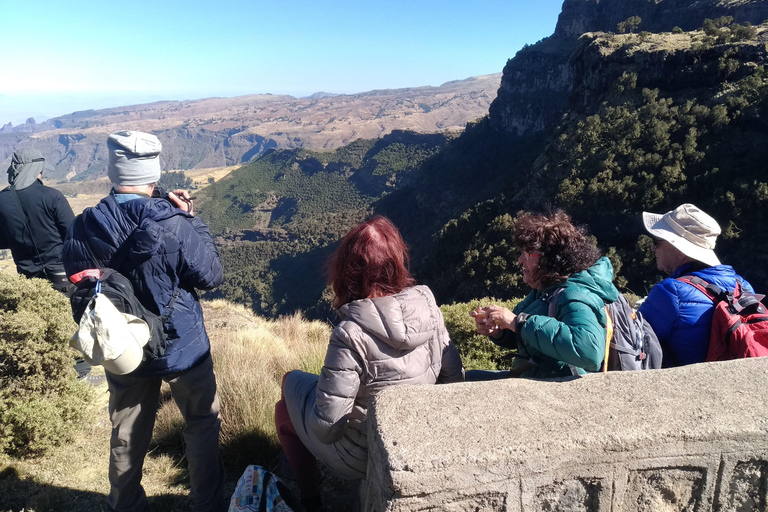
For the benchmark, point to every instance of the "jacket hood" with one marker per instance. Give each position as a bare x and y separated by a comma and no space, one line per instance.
598,279
403,321
26,166
111,224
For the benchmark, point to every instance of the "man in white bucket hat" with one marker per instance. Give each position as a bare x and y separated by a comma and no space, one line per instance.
681,315
166,252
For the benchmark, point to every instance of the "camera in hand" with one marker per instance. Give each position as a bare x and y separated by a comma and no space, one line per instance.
160,193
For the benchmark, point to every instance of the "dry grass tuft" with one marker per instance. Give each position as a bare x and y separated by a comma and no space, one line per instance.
250,356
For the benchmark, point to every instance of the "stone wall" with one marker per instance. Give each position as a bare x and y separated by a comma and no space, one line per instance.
686,439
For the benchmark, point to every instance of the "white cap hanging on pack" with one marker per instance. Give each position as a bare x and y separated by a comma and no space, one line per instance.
110,338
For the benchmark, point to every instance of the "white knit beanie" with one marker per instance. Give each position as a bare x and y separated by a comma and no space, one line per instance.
134,158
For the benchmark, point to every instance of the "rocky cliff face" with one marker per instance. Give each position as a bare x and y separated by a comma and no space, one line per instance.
580,16
534,87
672,63
537,83
28,127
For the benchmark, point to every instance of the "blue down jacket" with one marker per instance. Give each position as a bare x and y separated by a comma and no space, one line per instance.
681,315
169,249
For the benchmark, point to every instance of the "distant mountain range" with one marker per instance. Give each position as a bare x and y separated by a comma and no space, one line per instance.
215,132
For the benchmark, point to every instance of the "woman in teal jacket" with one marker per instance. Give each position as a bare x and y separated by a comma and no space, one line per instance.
559,329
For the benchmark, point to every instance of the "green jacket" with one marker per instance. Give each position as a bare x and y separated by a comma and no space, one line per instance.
574,335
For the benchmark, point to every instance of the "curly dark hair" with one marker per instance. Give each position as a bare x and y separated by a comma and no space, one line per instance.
564,247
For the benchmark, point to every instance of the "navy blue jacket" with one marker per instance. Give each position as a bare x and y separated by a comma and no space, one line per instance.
168,249
681,315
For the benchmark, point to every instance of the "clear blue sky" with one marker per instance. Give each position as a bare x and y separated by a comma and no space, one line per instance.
57,57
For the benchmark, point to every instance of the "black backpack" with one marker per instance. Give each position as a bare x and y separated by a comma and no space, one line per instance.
630,341
119,290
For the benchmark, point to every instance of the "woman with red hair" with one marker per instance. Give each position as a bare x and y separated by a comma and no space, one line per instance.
391,332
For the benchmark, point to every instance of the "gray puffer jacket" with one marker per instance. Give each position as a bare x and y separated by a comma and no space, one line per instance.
381,342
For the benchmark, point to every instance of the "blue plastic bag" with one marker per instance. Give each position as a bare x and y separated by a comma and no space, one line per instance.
258,490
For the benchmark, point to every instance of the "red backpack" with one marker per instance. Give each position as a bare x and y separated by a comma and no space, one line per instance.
739,323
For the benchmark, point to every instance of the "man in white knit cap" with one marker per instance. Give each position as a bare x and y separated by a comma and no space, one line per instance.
166,252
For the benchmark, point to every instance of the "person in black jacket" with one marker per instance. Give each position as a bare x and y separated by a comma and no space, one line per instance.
34,220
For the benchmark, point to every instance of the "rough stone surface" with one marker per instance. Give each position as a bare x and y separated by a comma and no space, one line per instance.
685,439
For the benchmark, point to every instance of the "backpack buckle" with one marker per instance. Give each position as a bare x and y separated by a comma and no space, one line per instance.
91,272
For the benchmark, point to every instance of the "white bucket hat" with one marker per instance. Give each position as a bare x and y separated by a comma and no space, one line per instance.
688,229
110,338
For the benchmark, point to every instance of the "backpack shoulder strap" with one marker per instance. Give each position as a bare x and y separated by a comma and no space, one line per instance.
553,300
738,289
715,293
608,337
23,212
119,257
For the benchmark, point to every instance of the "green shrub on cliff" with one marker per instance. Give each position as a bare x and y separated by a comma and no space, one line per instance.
477,352
724,30
41,401
479,244
629,25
